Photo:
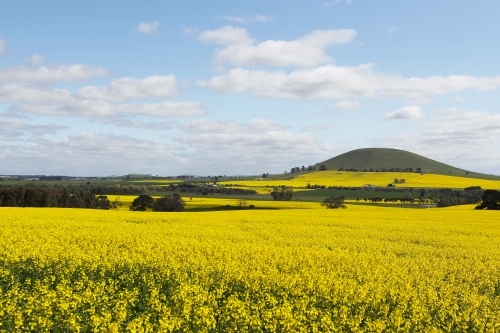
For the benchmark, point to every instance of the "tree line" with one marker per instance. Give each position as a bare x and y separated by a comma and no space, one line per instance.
53,197
168,203
204,189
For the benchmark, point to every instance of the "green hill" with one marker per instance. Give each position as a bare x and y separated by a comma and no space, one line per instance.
387,158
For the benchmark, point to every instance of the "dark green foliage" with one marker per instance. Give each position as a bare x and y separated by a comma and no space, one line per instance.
51,197
334,202
282,193
169,203
491,200
142,203
450,197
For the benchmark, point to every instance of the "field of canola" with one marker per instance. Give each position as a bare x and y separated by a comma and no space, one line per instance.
345,178
363,269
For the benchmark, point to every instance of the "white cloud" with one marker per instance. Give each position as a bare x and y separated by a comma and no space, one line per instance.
406,112
347,105
466,139
249,148
248,19
266,125
334,2
148,27
15,129
35,59
52,74
91,154
227,35
125,96
343,82
150,125
97,109
127,88
2,47
241,50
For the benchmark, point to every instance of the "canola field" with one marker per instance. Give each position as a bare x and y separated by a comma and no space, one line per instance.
362,269
346,178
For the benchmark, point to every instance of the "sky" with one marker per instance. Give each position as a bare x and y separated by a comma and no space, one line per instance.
99,88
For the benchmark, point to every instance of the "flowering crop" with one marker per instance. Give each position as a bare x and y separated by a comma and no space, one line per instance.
363,269
349,178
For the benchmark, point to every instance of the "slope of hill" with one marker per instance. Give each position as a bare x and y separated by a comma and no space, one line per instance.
388,158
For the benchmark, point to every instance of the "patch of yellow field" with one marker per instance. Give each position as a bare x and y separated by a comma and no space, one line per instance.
345,178
362,269
208,202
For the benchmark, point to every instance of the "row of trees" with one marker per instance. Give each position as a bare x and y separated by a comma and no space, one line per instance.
54,197
168,203
417,170
204,189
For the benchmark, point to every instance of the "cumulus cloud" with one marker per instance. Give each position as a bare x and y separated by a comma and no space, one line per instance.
15,129
334,2
247,19
227,35
148,27
2,47
463,138
241,50
91,154
35,59
127,88
342,82
266,125
347,105
258,145
52,74
122,97
102,109
406,112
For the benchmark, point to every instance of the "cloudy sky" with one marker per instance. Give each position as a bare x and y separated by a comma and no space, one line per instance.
244,87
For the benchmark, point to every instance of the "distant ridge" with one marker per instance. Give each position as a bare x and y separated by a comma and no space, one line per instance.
389,158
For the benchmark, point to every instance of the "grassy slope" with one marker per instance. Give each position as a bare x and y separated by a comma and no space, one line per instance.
378,158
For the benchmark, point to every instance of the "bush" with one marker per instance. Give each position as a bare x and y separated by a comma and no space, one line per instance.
334,203
491,200
169,203
142,203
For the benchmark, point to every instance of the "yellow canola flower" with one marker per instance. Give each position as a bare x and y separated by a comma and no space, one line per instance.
363,269
349,178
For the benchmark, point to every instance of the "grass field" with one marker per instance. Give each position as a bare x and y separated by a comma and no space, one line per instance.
362,269
346,178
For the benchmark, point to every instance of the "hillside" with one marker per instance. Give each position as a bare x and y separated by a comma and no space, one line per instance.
387,158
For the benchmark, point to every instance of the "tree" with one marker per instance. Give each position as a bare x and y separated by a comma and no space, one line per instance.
142,203
491,200
322,167
334,202
103,202
282,193
241,202
169,203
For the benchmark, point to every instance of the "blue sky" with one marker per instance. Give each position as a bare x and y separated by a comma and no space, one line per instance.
238,87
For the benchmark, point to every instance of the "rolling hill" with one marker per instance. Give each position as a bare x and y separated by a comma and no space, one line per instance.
388,158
